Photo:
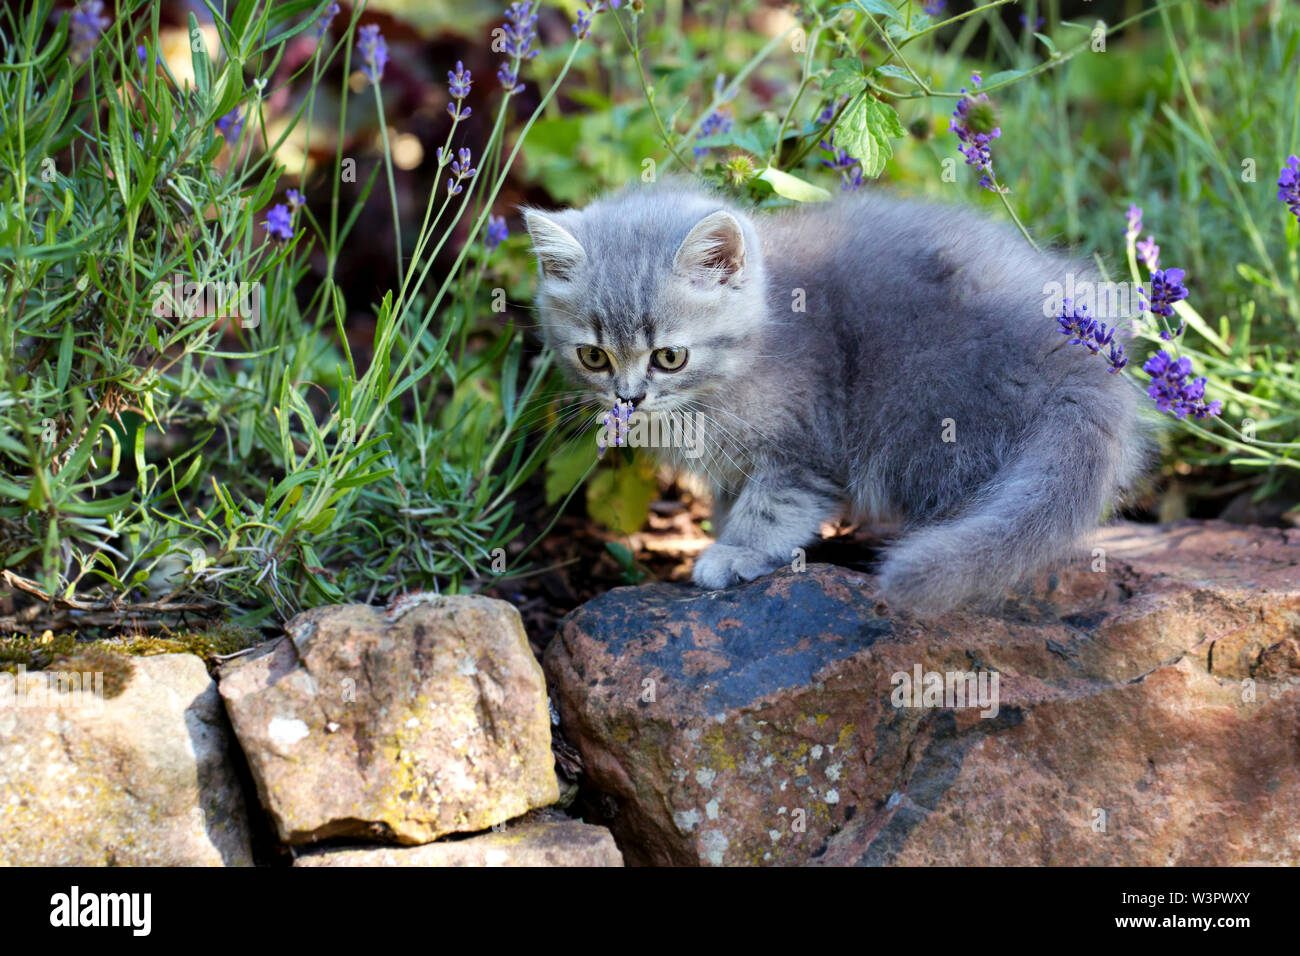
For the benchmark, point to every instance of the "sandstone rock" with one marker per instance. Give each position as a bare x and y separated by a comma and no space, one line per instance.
539,843
425,720
1146,712
141,779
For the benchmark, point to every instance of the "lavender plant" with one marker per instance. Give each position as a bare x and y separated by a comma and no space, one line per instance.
159,457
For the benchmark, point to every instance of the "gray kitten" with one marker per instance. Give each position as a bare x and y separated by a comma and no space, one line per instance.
872,357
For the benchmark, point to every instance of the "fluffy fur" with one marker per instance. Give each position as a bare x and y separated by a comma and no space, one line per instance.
918,322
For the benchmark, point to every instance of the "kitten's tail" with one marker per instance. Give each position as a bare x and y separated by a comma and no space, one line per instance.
1030,514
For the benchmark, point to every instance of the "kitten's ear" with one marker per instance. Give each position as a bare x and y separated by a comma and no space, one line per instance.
713,251
559,254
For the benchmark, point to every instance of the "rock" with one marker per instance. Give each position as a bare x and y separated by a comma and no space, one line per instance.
1146,711
539,843
403,726
140,779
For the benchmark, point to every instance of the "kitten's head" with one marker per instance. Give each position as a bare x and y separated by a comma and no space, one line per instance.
654,295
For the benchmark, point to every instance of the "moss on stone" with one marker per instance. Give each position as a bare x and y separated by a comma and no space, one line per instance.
117,669
45,651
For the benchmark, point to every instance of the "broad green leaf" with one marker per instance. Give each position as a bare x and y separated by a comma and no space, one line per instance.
619,498
864,132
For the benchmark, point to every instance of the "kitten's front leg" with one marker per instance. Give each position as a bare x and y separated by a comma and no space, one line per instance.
776,512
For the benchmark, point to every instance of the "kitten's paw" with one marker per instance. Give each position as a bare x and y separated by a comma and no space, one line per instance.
725,564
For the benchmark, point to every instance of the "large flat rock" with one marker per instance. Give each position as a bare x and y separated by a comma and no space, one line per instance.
1146,711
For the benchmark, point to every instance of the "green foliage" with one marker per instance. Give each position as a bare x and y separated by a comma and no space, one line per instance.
153,449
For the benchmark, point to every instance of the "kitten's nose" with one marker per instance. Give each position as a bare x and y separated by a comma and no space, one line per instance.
632,400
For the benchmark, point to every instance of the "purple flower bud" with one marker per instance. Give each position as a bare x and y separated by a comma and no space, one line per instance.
278,222
1134,223
520,31
326,18
1091,334
87,23
374,52
717,122
1149,253
975,123
459,81
1288,185
232,124
1171,391
497,232
1166,289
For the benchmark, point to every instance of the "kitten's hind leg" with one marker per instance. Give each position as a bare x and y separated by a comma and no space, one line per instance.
1027,517
777,511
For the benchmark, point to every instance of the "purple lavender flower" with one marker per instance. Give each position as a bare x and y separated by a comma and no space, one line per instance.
374,52
232,124
975,123
1024,22
1288,185
294,197
461,166
497,232
719,121
582,28
850,169
87,23
279,224
326,18
1166,289
934,8
1134,219
1171,391
614,428
1091,334
458,85
1149,253
520,32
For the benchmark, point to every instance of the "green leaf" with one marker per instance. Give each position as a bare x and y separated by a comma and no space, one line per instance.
880,7
567,466
65,357
846,77
896,72
864,132
619,498
199,57
792,187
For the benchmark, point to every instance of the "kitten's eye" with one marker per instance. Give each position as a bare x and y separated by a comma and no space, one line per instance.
669,359
593,358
